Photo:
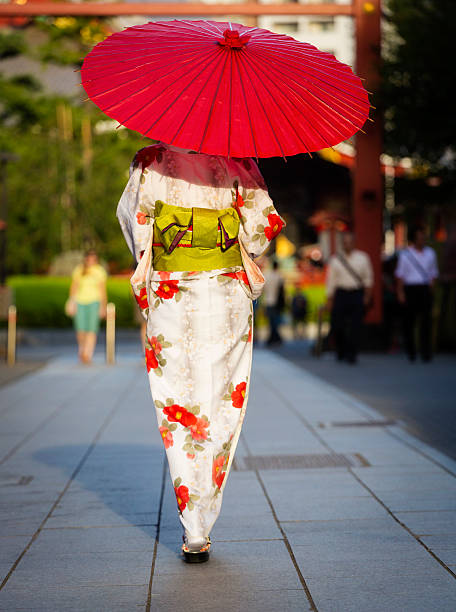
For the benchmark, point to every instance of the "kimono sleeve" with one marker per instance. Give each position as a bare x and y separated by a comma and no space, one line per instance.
135,210
260,221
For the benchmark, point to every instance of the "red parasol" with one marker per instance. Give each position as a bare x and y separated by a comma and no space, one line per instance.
225,89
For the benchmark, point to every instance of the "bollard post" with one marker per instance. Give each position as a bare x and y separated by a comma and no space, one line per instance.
110,333
318,343
11,349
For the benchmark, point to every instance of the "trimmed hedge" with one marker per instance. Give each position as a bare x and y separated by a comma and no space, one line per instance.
40,300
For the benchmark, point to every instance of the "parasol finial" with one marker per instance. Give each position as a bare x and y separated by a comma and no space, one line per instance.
232,39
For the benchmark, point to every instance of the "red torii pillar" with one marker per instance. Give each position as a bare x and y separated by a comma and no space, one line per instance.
368,197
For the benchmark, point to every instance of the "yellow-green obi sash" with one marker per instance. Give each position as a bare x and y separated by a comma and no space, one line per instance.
195,238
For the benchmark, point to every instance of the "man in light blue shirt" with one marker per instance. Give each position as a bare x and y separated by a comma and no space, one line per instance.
416,273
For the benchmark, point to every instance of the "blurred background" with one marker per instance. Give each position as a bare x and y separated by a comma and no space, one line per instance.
64,163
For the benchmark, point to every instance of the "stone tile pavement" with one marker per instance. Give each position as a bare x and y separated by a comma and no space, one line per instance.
88,518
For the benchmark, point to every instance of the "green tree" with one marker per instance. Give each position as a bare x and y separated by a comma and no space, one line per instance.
69,174
418,78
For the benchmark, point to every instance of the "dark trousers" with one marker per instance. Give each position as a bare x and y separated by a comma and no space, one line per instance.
418,310
346,322
273,315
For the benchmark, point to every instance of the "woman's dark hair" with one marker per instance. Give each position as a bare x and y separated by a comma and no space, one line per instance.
413,231
87,254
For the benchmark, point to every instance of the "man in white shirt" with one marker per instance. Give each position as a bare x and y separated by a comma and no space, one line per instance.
349,284
416,273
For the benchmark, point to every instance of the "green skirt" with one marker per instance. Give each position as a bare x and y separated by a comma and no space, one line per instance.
87,317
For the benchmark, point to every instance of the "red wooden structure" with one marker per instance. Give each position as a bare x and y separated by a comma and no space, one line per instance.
367,177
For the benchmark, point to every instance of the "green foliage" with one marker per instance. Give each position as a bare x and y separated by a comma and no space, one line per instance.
62,193
20,104
40,300
64,186
11,44
316,297
418,76
68,39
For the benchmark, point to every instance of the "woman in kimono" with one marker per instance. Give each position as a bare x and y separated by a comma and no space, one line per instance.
194,222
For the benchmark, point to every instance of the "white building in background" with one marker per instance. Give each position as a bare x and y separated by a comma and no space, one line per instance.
334,34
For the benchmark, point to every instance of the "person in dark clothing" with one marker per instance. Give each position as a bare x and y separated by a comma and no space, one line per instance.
299,308
349,289
416,273
274,298
392,311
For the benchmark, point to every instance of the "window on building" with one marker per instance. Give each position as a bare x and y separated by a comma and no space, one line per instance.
285,27
321,24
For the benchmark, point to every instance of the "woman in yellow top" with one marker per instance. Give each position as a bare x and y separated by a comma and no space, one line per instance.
88,302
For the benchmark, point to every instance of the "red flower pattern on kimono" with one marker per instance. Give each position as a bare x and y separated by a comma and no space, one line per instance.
142,299
274,227
167,289
167,437
238,204
217,471
151,360
182,497
238,395
198,430
179,414
141,218
155,344
241,275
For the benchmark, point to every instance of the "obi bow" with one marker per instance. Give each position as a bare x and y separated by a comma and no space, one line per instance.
173,223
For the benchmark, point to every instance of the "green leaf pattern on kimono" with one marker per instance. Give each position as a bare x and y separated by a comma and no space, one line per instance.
155,359
220,465
166,290
197,427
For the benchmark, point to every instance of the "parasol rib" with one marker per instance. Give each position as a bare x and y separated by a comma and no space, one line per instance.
205,83
206,127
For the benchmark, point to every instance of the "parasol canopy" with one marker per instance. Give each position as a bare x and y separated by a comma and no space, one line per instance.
225,89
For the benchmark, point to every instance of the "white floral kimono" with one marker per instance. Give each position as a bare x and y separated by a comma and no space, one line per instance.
199,323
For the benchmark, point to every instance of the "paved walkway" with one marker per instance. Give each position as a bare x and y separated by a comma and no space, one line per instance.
327,508
419,394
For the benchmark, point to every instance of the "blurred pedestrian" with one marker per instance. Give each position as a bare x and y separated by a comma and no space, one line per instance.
274,301
349,292
299,310
88,301
391,306
416,273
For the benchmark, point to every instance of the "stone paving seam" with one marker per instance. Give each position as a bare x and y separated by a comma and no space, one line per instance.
43,423
70,527
306,589
443,461
292,409
396,431
75,472
316,434
36,373
157,534
404,526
